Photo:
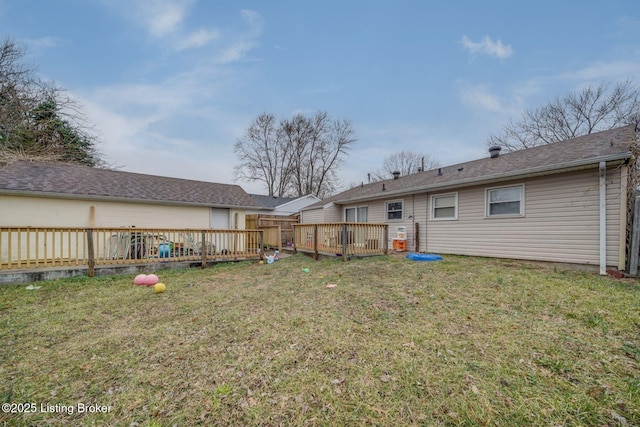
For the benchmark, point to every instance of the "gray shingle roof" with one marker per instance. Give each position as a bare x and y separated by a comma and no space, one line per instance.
68,180
270,202
578,152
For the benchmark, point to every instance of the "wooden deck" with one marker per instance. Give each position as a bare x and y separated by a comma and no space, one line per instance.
341,239
45,247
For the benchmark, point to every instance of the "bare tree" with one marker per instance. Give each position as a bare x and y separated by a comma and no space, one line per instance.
264,155
590,110
297,156
405,162
37,118
318,146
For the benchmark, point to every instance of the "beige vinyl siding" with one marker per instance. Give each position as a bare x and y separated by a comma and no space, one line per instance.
560,222
418,215
333,213
421,217
412,211
312,216
238,219
614,193
323,214
19,211
376,211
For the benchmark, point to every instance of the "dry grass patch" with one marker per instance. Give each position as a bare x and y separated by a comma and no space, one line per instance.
465,341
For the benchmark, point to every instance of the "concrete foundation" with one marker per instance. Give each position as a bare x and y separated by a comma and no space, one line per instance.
17,277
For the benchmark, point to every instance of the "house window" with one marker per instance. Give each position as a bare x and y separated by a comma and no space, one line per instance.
359,214
444,206
505,201
394,210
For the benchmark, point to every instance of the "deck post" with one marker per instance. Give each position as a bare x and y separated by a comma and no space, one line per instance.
315,241
261,248
386,239
345,244
91,261
203,251
293,240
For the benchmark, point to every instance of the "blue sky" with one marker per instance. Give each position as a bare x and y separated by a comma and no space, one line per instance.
171,84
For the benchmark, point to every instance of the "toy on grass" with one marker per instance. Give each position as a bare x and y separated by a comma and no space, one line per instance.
140,279
151,280
159,288
272,258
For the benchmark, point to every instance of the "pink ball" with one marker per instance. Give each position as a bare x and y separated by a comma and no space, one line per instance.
140,279
151,280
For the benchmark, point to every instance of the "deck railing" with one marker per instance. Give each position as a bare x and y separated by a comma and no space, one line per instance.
42,247
34,247
341,239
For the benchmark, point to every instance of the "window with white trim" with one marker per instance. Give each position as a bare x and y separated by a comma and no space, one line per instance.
359,214
505,201
444,207
394,210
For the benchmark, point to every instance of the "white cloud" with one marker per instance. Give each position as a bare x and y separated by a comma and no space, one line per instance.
159,18
254,19
166,21
43,42
148,128
177,125
479,96
162,17
600,71
488,47
197,39
235,51
243,42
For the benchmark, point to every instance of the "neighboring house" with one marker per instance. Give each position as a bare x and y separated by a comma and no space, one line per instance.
283,206
561,202
36,194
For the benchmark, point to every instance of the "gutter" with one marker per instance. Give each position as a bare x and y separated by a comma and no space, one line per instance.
603,216
467,182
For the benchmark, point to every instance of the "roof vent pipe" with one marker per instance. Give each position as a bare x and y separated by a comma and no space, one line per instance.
396,174
494,151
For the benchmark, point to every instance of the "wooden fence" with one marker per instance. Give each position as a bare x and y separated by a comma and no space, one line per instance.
272,236
341,239
263,222
35,247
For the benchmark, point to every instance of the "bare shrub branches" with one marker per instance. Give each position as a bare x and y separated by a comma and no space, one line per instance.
580,113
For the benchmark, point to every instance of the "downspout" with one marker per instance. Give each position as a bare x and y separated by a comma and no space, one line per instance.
603,218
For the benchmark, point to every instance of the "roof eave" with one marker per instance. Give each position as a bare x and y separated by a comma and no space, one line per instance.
90,197
296,200
522,174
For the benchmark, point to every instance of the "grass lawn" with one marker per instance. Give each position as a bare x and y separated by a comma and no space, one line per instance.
465,341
